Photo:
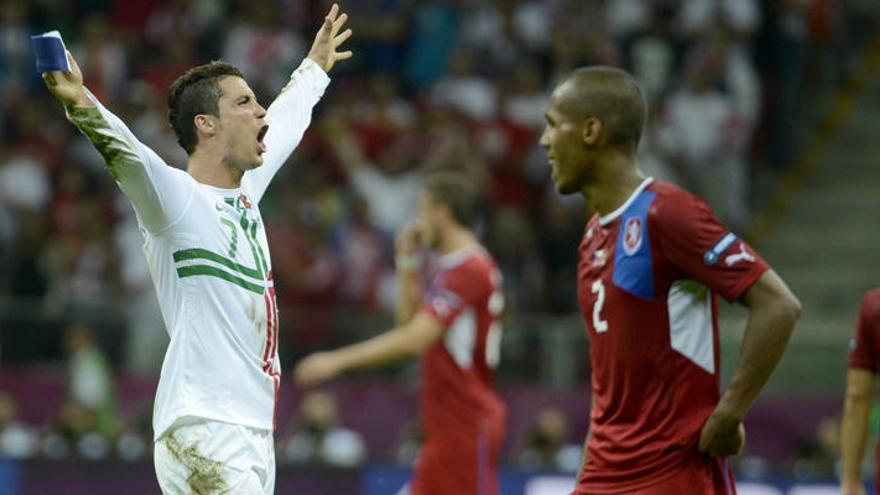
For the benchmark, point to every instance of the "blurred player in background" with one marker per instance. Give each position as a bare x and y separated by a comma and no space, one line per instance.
650,263
455,328
205,243
864,363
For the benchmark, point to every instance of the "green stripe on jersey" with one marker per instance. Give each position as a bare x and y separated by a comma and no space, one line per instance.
191,271
256,250
253,237
234,245
198,253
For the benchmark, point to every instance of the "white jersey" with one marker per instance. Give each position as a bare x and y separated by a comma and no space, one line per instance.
208,256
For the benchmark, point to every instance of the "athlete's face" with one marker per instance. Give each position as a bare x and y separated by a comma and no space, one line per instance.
563,138
242,125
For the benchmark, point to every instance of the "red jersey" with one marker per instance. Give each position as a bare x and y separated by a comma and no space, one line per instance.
865,346
648,273
462,415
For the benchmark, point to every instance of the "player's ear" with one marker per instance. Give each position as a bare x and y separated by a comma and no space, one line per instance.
205,124
591,131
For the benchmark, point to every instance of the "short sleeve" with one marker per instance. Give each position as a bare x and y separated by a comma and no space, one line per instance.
862,352
700,247
448,296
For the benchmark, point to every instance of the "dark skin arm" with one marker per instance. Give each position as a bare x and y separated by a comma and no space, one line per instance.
409,281
773,311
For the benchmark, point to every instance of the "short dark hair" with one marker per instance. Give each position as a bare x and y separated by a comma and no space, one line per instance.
456,191
196,92
613,96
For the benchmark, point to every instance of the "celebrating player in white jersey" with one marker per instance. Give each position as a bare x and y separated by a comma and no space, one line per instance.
206,247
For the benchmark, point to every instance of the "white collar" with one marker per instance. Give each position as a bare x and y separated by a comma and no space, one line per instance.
606,219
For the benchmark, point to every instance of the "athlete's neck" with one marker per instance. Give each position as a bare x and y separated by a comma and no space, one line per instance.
614,184
455,238
208,169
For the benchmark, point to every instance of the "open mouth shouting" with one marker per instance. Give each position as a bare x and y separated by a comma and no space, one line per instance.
261,146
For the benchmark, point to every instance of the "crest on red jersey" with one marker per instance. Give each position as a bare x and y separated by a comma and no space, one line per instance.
444,302
632,235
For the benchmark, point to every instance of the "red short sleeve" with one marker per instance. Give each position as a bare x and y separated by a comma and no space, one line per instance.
863,347
695,242
447,296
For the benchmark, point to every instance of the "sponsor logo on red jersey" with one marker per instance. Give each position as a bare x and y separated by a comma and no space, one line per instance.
742,255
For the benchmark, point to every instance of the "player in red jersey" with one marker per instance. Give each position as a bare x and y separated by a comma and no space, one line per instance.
455,327
651,262
864,363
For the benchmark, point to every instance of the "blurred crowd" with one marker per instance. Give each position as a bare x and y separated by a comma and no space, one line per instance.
435,84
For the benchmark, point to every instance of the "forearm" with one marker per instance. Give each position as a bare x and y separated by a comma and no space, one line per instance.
107,133
84,100
288,116
142,176
385,348
854,432
766,336
409,294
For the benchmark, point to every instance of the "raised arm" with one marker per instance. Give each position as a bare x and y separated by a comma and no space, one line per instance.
291,113
158,192
408,264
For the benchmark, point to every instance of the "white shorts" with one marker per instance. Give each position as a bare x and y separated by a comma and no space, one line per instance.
212,457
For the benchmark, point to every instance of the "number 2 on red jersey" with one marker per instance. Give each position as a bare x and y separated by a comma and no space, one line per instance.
600,325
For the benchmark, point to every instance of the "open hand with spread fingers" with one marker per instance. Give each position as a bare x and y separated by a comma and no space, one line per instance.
328,40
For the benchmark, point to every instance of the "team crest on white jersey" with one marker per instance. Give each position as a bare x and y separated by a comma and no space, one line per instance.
742,255
632,235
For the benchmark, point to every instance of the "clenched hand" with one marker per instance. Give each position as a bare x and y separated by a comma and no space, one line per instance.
67,87
722,436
